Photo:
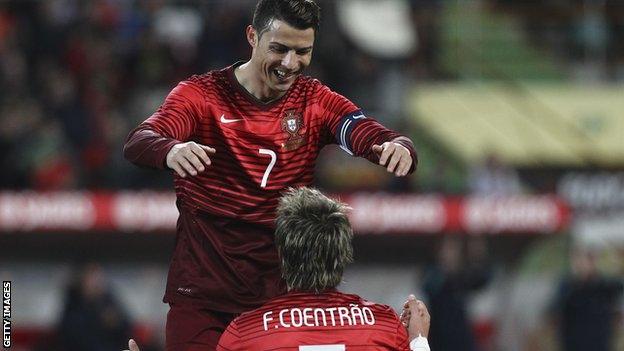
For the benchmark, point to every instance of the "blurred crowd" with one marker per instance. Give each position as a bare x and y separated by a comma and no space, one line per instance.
585,33
77,76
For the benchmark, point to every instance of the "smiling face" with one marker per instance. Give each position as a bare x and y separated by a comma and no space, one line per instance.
280,54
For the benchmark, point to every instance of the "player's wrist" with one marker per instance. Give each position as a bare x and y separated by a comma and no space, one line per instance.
404,143
173,150
419,343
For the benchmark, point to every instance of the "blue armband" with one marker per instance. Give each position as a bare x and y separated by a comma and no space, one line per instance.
345,127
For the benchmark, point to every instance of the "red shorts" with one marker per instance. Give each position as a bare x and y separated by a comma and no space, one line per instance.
192,328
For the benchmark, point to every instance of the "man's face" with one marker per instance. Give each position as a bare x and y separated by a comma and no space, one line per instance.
281,54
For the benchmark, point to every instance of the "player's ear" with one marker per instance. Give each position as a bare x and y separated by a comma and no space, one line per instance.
252,36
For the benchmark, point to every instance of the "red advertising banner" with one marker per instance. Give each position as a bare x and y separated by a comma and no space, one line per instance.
373,213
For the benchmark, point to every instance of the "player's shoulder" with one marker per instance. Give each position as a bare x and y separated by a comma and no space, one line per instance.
310,85
375,306
258,312
318,91
308,81
208,81
282,301
204,79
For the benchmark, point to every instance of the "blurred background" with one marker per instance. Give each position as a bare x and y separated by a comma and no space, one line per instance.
512,229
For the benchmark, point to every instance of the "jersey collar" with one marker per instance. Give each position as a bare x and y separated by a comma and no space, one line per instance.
248,96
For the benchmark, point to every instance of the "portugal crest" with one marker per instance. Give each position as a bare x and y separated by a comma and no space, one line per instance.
292,123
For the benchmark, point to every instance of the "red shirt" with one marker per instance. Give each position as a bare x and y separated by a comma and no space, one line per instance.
262,149
304,321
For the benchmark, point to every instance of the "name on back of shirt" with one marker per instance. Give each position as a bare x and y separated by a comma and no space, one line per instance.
318,317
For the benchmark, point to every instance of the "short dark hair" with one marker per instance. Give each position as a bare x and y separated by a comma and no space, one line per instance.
301,14
313,237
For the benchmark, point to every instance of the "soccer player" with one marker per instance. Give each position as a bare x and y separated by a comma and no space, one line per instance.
313,238
235,138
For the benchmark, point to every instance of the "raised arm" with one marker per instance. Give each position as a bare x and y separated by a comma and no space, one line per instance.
360,135
416,319
162,141
378,144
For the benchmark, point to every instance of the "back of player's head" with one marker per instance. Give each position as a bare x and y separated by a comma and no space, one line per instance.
301,14
313,237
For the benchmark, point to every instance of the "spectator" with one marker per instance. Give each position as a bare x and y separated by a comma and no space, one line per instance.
446,286
92,319
585,307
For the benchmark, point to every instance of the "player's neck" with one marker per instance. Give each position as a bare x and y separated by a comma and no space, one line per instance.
249,80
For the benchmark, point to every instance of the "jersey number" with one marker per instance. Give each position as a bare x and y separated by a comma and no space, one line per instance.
335,347
271,153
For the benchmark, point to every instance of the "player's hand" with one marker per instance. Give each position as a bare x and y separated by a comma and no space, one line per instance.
132,345
415,317
189,158
406,313
395,157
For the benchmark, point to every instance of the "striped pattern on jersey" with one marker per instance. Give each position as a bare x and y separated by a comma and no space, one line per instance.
333,319
261,148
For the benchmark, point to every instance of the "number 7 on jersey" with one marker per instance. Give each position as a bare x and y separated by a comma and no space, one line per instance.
271,153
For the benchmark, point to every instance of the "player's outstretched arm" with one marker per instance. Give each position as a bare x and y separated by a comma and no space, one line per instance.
395,157
132,345
416,319
189,158
173,123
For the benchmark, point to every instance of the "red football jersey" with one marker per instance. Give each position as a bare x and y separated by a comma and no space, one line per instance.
261,148
330,321
224,257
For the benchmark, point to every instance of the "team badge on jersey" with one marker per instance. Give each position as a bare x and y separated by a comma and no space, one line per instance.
292,123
